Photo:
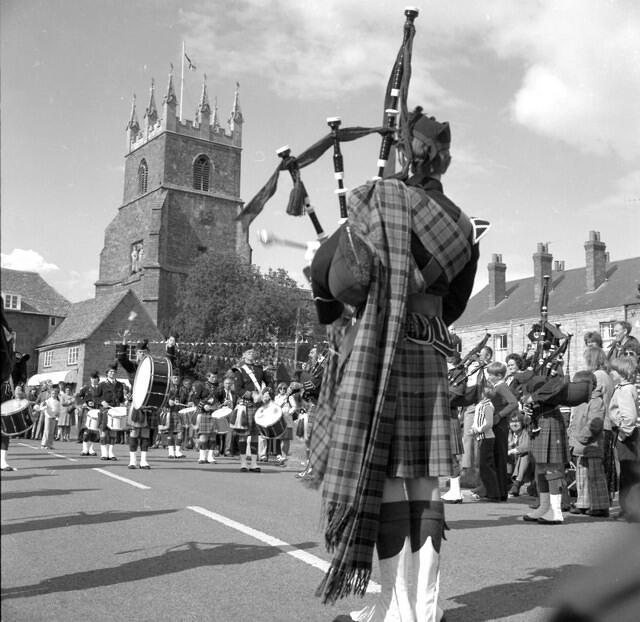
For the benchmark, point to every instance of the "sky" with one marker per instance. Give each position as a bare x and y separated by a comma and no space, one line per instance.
542,98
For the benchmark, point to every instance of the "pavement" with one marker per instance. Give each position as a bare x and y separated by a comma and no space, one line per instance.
89,540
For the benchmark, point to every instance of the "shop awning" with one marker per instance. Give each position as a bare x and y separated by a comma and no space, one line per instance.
69,376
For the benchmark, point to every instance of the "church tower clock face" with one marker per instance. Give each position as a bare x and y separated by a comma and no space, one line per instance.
181,197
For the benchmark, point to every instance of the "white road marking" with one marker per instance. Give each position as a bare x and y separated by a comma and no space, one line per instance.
122,479
289,549
49,452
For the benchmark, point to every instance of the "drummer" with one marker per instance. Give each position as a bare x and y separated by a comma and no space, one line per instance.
177,400
86,401
18,394
110,393
206,428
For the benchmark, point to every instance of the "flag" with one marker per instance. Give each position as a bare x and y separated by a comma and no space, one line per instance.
192,67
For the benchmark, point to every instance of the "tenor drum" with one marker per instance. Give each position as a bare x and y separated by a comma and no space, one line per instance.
151,383
164,420
189,414
117,418
221,418
16,417
270,421
92,419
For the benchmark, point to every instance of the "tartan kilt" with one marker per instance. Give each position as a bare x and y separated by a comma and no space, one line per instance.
208,424
550,445
421,443
153,417
176,422
456,434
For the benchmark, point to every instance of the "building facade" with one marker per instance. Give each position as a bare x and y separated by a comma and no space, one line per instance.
181,198
591,298
33,310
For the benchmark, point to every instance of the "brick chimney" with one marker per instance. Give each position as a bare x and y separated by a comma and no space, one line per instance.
558,266
596,261
542,260
497,281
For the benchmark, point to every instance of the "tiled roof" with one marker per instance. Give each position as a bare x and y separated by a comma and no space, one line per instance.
37,295
568,295
83,318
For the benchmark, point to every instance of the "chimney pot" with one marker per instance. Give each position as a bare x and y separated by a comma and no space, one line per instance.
497,280
595,261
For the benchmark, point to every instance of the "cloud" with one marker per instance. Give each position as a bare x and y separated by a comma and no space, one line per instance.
579,60
623,198
28,260
76,285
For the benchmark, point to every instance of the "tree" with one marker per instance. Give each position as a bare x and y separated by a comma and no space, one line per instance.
227,301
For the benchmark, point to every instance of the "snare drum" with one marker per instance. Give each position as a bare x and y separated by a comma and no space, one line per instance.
92,419
221,418
151,383
117,418
189,414
16,417
270,421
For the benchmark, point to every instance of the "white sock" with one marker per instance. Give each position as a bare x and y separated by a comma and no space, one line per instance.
254,461
454,489
171,449
91,449
178,451
85,447
143,458
132,458
210,457
202,454
3,458
103,451
111,454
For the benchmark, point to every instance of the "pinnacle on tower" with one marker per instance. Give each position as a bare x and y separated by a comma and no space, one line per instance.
133,125
236,113
151,113
203,106
215,122
170,97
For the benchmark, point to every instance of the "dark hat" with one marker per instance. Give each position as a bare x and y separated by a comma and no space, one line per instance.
428,130
143,344
113,366
327,307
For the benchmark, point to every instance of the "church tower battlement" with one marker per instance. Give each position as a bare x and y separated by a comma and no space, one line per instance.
181,197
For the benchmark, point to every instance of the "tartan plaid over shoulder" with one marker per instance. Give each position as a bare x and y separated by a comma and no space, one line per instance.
354,425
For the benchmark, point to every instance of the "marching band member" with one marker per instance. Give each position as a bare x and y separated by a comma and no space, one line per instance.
252,379
381,437
109,393
7,365
176,421
206,425
227,397
86,400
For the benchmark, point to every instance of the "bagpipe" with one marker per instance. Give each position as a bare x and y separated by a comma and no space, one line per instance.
393,131
459,374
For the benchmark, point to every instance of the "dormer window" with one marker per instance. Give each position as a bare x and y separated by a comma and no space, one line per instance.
12,301
201,172
143,172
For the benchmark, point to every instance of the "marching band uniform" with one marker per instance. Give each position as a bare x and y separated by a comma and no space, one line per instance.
407,263
252,380
86,400
206,425
109,393
175,420
227,397
139,421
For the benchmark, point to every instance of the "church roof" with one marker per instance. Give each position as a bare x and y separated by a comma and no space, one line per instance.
84,318
568,295
36,294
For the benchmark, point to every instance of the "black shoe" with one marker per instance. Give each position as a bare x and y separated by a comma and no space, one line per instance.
256,470
171,457
84,453
202,462
132,466
244,469
8,468
104,458
113,459
146,466
452,500
580,511
598,513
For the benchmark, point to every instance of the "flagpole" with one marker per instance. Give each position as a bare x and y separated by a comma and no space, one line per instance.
182,79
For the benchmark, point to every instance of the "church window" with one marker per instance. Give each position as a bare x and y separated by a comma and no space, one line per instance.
201,172
143,172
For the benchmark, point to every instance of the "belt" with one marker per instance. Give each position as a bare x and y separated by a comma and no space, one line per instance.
428,305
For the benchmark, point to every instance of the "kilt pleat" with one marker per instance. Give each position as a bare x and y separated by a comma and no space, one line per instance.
421,443
457,448
550,445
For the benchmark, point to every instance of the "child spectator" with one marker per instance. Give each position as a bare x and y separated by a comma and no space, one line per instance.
282,400
623,411
518,463
586,441
482,429
51,413
67,406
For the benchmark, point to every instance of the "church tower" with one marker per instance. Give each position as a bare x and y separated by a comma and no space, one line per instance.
181,198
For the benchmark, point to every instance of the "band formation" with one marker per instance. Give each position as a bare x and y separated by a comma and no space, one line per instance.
391,406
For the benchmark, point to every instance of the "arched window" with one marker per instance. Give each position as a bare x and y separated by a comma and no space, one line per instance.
201,172
143,171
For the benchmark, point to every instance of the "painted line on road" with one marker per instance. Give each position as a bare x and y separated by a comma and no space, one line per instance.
122,479
49,452
287,548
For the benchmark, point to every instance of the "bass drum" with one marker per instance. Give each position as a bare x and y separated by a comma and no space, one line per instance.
151,383
270,421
